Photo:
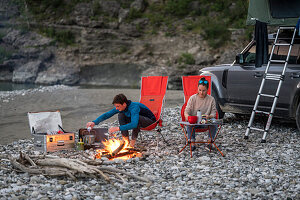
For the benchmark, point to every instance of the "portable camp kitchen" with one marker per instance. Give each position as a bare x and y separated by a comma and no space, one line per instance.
44,127
99,134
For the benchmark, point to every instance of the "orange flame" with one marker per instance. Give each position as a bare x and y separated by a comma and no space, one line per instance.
112,144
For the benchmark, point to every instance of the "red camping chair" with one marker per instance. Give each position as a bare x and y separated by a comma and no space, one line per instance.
153,90
190,87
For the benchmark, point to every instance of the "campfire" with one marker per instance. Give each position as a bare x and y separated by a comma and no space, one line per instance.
117,148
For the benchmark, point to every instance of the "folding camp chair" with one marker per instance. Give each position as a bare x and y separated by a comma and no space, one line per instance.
190,87
153,90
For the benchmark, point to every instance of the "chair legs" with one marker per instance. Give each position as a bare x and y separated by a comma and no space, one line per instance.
159,132
157,138
211,142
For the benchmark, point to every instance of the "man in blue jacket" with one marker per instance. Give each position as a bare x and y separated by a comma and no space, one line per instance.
131,115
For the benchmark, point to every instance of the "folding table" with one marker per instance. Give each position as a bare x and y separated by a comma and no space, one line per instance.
211,141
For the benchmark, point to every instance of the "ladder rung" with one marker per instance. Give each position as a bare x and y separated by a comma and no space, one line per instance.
259,111
268,95
275,77
278,61
281,44
257,129
287,27
268,76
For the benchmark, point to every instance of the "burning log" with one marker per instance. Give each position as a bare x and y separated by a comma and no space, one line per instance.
117,150
122,154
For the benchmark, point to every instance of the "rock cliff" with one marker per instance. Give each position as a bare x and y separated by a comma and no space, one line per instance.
113,48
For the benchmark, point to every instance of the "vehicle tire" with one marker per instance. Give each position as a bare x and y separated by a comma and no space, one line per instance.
220,112
298,117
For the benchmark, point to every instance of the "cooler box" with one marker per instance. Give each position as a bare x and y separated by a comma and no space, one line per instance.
44,127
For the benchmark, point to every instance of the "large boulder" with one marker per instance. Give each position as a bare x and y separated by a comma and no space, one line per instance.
26,73
59,72
26,40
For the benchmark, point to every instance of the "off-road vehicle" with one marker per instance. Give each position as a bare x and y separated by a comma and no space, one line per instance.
235,86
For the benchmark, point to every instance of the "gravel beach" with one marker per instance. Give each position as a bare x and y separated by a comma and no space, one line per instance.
249,170
77,106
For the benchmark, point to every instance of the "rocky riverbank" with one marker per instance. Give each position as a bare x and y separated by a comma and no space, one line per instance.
249,170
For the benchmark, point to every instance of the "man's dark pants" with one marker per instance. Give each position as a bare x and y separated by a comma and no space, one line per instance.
143,123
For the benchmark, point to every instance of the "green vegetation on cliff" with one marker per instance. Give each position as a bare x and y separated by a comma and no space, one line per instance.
63,36
211,19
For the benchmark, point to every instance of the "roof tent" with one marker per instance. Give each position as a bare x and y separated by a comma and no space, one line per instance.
274,12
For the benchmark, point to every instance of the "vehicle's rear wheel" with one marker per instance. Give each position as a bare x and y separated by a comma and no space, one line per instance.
220,112
298,116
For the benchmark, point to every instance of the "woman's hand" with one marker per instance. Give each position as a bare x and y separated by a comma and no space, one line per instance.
207,116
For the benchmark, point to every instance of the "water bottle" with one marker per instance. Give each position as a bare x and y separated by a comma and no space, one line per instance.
199,116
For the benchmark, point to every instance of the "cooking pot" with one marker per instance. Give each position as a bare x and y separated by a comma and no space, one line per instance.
89,139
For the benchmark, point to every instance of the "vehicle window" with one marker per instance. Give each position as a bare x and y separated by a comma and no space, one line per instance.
280,53
249,56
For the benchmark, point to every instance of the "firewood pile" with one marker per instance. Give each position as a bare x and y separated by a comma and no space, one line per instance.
82,166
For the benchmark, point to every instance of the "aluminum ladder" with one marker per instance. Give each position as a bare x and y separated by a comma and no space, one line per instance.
272,77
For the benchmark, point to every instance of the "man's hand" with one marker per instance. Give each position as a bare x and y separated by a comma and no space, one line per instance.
90,124
113,129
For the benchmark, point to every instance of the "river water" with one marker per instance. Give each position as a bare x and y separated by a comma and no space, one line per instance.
8,86
77,106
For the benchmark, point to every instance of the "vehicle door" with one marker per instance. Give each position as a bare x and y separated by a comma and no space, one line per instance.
291,78
244,80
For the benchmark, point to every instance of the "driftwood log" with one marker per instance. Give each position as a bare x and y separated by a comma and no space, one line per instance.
73,168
